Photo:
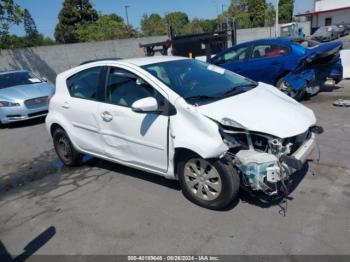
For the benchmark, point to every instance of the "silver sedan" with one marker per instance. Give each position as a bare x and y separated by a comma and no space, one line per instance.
23,96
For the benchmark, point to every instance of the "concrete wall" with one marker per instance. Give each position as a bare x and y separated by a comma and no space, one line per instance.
48,61
324,5
250,34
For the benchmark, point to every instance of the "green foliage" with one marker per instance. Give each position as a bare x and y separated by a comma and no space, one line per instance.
179,22
256,10
270,15
13,41
75,13
152,25
10,13
29,25
286,8
107,27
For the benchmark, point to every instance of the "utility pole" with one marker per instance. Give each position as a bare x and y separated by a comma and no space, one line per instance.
126,14
277,22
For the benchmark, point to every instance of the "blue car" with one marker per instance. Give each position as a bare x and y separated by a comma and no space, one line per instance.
295,66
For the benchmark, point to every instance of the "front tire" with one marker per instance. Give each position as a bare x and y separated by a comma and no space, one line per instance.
283,87
65,149
212,184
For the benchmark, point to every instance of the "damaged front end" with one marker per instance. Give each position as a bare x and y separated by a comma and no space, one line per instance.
266,162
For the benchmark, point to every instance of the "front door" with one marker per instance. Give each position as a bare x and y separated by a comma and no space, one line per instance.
131,137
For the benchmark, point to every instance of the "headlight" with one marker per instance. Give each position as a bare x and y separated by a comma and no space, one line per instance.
231,123
8,104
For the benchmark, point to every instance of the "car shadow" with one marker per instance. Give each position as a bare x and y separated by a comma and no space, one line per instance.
135,173
25,123
32,247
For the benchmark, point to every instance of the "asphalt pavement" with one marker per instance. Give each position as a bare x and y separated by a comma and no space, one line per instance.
105,208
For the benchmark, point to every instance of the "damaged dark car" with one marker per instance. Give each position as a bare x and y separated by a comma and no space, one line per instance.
297,67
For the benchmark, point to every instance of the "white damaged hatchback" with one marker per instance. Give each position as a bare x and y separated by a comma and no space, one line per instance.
211,129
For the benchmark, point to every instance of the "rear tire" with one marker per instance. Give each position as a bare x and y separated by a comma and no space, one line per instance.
65,149
212,184
297,95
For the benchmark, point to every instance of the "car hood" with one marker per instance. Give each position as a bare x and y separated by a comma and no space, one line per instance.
24,92
263,109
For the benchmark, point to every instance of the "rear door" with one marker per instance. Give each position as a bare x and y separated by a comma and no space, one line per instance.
81,108
131,137
266,62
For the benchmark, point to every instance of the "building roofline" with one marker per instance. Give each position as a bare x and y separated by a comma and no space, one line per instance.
324,11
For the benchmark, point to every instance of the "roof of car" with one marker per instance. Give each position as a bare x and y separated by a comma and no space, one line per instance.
12,71
272,40
139,61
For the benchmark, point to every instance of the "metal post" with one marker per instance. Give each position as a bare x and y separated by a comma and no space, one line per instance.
126,14
277,22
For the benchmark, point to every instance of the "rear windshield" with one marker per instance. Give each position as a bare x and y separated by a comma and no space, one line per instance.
306,43
17,78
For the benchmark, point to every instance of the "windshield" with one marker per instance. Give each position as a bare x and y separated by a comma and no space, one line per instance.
17,78
306,43
323,30
195,80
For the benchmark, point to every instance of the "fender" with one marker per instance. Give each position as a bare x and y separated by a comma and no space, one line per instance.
194,131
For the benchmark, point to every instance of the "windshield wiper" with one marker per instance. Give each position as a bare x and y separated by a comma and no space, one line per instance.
199,97
238,89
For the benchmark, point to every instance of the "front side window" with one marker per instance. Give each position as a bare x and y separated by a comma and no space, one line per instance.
125,88
198,81
236,55
85,83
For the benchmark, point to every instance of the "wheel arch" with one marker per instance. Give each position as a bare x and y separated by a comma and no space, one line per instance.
283,74
180,153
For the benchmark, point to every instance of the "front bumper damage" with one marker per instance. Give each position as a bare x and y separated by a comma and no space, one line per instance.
268,169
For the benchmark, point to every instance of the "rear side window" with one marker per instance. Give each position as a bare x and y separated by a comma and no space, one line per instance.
85,83
263,51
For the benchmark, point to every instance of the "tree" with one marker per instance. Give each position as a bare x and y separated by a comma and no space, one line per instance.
270,15
256,10
10,13
107,27
286,8
152,25
74,13
178,21
29,25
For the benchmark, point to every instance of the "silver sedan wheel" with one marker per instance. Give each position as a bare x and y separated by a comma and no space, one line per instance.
202,179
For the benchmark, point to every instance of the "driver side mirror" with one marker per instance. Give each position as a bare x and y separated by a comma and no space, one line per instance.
145,105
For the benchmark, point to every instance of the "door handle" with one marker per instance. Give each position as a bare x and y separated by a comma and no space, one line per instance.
106,116
275,63
65,105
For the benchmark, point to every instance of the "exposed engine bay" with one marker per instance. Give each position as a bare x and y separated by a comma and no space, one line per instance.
265,162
